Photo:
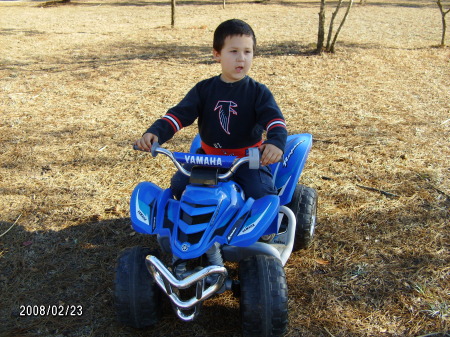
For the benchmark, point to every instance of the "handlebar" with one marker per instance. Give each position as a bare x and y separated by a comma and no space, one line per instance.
230,162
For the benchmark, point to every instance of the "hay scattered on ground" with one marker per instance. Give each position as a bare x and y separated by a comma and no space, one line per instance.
79,83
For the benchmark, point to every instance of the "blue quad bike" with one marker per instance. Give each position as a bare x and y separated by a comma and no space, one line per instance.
211,225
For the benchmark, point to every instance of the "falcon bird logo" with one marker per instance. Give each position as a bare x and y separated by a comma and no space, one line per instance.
225,110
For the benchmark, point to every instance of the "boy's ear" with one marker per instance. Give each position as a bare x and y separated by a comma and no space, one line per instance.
216,55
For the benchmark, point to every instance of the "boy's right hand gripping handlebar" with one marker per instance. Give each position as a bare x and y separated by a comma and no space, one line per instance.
153,151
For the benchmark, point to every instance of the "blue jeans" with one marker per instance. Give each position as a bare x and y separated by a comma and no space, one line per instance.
255,183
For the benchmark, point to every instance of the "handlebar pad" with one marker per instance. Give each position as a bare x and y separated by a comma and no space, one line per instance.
253,154
155,145
153,150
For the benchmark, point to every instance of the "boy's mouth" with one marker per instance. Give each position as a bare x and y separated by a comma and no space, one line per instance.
239,69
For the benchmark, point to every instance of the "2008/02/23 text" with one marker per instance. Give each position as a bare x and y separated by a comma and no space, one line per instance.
51,310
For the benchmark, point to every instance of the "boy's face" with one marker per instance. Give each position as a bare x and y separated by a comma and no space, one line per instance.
235,57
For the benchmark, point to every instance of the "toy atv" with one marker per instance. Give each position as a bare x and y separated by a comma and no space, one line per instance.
211,224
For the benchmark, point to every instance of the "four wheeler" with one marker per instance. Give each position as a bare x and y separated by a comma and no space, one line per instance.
214,223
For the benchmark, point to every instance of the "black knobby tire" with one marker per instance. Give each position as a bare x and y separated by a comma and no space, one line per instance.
304,206
263,296
136,294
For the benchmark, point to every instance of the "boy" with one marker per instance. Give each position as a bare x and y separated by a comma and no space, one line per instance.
232,109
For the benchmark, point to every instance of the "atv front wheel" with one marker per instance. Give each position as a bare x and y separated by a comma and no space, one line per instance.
304,206
136,294
264,296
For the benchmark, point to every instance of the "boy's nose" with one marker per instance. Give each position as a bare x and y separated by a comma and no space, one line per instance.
241,57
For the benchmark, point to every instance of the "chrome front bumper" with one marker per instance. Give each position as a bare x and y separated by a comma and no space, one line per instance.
171,286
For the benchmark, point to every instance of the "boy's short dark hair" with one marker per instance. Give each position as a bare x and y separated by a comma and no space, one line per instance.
231,28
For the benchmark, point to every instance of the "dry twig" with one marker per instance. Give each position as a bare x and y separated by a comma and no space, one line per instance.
11,226
388,194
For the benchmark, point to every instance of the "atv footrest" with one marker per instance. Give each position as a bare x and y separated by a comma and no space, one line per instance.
172,286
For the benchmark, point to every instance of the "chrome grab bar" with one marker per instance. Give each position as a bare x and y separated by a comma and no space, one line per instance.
170,284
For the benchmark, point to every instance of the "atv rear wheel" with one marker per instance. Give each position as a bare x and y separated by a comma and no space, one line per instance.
263,296
304,206
136,294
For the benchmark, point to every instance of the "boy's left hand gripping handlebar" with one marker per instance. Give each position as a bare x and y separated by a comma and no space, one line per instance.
155,146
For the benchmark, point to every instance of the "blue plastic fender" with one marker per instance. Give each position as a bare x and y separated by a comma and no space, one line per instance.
196,144
147,208
287,173
264,210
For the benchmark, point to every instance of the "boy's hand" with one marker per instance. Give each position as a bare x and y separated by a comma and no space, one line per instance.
146,141
270,154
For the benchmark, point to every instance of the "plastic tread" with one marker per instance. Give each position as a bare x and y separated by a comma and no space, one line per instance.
264,296
304,206
137,296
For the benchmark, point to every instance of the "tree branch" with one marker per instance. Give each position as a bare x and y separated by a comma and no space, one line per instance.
340,26
330,29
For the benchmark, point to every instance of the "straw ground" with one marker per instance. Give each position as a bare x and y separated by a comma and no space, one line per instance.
79,83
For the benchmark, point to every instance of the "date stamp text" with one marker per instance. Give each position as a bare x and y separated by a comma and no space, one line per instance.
62,310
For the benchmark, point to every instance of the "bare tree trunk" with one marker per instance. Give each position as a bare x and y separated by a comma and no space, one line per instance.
330,29
340,26
173,5
444,28
444,23
223,4
321,33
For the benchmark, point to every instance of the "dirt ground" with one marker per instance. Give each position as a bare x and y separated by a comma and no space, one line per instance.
79,83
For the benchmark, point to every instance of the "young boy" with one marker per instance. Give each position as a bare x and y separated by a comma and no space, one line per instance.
233,111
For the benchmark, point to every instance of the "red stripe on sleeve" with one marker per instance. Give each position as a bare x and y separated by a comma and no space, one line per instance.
177,120
171,123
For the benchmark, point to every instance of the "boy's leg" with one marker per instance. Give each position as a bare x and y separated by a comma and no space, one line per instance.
255,183
179,182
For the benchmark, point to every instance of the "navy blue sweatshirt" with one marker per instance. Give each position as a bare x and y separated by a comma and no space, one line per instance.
231,116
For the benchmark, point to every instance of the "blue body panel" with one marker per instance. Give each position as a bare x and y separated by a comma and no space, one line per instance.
196,144
147,206
219,213
287,173
263,213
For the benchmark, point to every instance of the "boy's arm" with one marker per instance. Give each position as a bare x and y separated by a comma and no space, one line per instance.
276,133
271,119
176,118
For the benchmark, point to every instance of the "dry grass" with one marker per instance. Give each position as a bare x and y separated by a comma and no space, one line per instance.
79,83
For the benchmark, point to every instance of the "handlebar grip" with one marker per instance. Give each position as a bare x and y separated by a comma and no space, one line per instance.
253,155
155,146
